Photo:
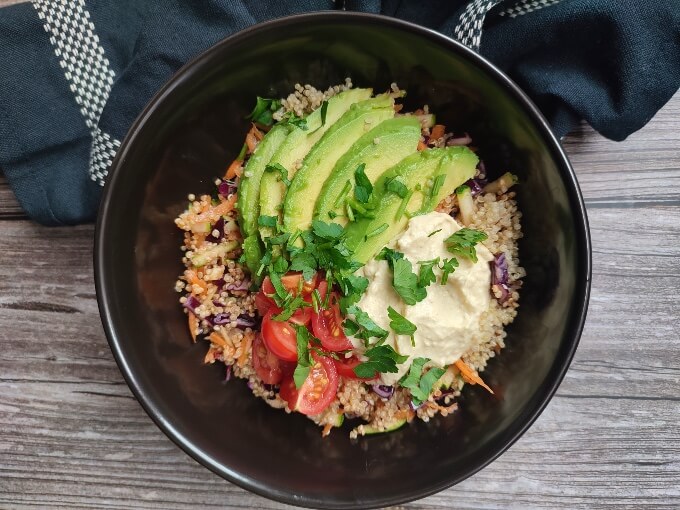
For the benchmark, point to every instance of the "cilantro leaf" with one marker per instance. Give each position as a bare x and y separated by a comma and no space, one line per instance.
448,266
369,327
381,359
405,282
279,289
396,186
304,360
280,265
363,187
281,170
400,324
263,111
434,232
305,263
419,384
267,221
426,275
328,231
376,231
352,285
462,243
389,255
294,120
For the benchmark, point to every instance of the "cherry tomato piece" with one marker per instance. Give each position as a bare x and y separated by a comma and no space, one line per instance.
264,304
318,390
302,316
327,327
345,368
267,366
291,281
280,338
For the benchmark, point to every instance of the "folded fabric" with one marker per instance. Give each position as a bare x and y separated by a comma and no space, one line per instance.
74,74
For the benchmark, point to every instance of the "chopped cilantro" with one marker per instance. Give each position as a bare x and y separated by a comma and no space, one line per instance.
305,263
463,243
396,186
343,193
350,213
448,266
376,231
389,255
369,328
381,359
400,324
426,275
267,221
402,206
405,282
437,184
419,384
304,359
279,239
279,289
294,120
280,265
263,111
329,231
434,232
281,170
332,215
363,187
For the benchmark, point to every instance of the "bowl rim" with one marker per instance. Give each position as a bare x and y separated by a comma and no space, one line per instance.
582,279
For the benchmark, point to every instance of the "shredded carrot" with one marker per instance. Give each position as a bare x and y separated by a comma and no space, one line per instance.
245,349
217,211
231,171
238,171
210,356
470,375
437,132
193,326
253,136
195,281
327,429
421,146
218,339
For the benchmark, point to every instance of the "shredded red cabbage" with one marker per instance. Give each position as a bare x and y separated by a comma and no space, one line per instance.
500,276
219,226
244,285
383,391
226,188
459,140
192,303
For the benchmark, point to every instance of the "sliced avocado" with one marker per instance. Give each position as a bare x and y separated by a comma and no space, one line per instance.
305,187
249,186
252,250
296,146
396,424
379,149
367,236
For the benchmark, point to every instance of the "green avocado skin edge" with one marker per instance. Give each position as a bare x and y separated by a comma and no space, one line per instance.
379,149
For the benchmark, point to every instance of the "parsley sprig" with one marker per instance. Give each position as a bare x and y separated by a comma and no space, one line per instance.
419,382
380,359
264,111
462,243
401,325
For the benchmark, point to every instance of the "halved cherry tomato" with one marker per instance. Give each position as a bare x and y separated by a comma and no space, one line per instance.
280,338
327,324
318,390
268,286
264,304
345,368
291,282
267,366
301,316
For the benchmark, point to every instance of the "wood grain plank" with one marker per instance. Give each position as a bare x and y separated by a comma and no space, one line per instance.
9,207
5,3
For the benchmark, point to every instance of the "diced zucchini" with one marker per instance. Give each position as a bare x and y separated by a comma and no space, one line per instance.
205,256
502,184
397,424
465,204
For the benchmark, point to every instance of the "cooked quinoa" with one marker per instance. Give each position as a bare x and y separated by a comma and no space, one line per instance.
218,298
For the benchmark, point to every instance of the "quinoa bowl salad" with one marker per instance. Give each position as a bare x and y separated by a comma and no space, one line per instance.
357,263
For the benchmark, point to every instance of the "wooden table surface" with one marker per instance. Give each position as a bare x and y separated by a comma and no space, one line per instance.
73,436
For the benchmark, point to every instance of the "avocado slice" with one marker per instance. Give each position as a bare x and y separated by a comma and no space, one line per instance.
305,187
455,164
396,138
396,424
253,252
249,186
296,146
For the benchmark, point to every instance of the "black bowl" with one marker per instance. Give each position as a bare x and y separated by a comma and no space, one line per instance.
184,139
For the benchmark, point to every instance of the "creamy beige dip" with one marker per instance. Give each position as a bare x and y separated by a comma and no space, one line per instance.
448,318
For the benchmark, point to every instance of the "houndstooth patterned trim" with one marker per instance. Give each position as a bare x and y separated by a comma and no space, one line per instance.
469,28
527,6
86,68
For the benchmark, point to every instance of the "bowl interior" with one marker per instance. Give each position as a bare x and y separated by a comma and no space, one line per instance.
188,136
